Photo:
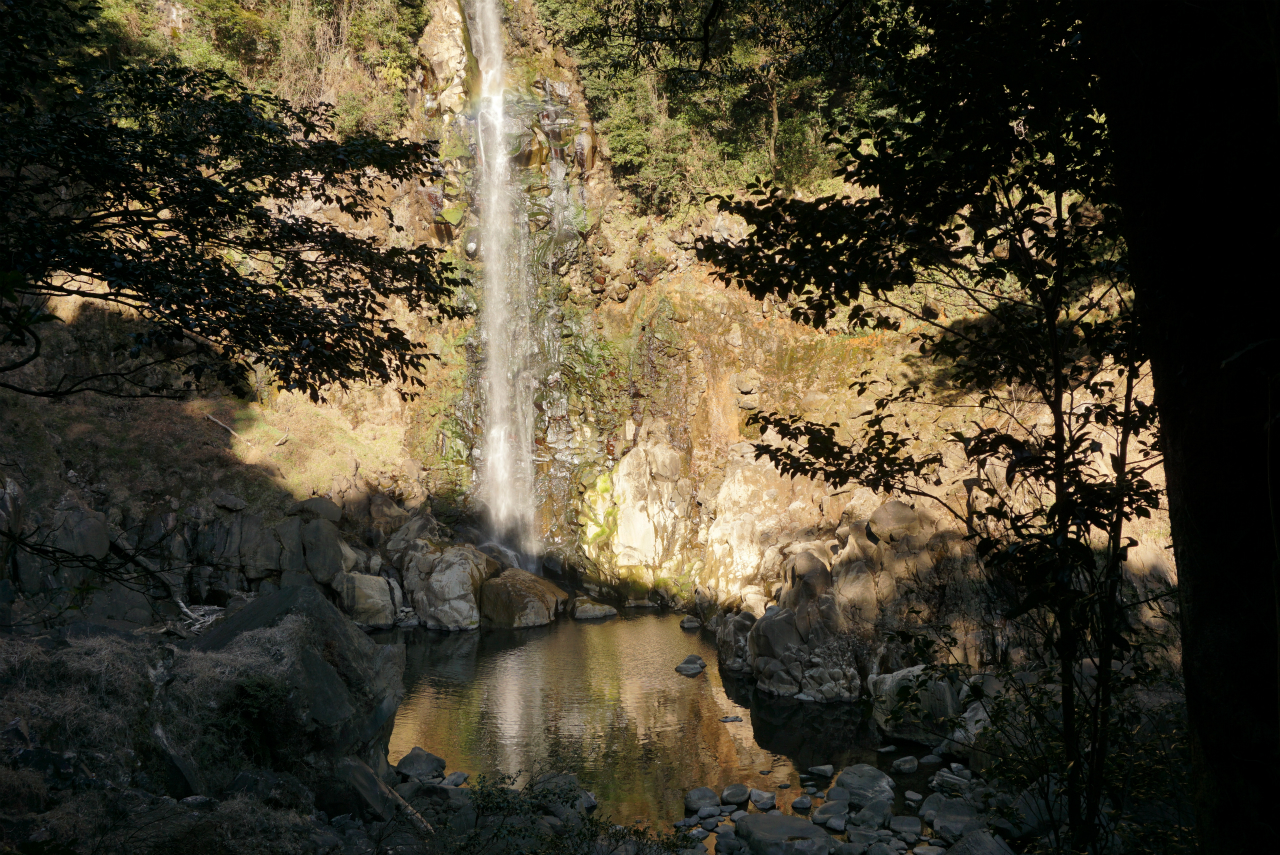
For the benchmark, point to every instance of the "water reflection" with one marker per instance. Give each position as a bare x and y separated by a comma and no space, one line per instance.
603,700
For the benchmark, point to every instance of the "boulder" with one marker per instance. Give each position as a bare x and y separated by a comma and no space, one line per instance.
763,799
584,608
516,598
803,803
690,622
937,697
344,687
292,556
696,800
875,815
828,811
735,794
367,599
952,817
320,507
865,784
894,521
227,501
905,825
444,589
322,546
692,666
777,834
420,765
906,765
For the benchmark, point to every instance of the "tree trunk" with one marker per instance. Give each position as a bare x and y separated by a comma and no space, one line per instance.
1194,113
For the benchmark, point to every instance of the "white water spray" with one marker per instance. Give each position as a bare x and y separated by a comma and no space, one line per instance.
507,472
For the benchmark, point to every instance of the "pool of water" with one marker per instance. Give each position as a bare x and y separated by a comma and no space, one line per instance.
602,699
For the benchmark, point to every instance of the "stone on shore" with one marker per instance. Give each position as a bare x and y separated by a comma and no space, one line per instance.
777,834
865,784
516,599
696,800
584,608
763,799
906,765
735,794
421,765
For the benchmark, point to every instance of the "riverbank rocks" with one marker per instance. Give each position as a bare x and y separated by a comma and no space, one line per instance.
763,799
690,622
777,834
865,784
584,608
735,794
516,599
692,666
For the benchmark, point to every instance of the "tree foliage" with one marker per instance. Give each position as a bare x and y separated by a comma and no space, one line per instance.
178,194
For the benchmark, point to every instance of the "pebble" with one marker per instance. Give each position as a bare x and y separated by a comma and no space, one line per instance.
929,849
774,812
784,786
710,824
699,834
822,771
887,749
737,815
766,771
906,765
912,796
802,803
836,823
707,811
732,718
930,760
811,790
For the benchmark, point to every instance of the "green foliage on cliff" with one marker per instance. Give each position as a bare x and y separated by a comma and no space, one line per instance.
679,127
357,54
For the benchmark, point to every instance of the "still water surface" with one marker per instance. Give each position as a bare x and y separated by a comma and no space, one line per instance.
602,699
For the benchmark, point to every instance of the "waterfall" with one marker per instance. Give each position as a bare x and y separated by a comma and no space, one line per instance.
507,470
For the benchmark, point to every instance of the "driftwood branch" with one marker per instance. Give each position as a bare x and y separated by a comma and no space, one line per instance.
229,429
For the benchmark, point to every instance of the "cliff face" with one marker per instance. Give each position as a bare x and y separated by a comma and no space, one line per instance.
646,369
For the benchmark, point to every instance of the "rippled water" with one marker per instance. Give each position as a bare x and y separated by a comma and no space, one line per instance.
601,699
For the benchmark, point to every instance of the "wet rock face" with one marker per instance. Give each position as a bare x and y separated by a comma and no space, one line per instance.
444,588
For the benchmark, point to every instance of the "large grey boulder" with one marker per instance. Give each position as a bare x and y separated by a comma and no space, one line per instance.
420,765
774,634
865,784
828,811
322,546
367,599
444,588
516,598
767,834
894,521
344,687
937,697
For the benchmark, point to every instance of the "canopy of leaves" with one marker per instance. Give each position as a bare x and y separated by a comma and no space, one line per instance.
176,193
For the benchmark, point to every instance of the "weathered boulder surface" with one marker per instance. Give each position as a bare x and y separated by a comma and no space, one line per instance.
444,588
584,608
367,599
345,686
865,784
783,835
516,598
937,697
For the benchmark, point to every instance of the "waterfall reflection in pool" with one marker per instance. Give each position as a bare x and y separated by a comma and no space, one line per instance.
602,699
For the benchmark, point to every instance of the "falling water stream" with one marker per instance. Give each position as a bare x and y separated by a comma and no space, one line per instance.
507,471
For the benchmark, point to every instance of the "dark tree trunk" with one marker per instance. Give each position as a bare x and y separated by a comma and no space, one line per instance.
1192,102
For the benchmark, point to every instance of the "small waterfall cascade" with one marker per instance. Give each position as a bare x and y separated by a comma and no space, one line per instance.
507,322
